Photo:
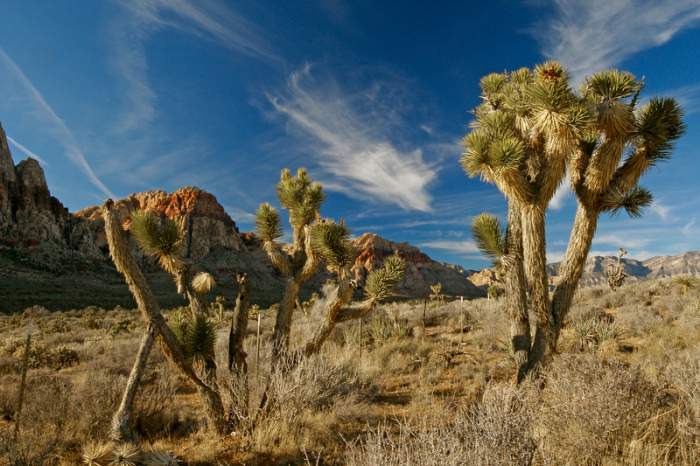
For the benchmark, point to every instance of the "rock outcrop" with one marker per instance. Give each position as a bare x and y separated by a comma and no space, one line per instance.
484,278
30,218
421,270
207,225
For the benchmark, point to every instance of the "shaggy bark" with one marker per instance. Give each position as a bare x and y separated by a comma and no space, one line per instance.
572,268
283,320
121,422
332,317
239,328
535,264
516,297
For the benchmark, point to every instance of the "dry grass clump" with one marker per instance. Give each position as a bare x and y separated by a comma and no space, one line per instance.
591,410
494,431
305,401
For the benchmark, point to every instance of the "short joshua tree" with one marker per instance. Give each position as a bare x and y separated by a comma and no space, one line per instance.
616,272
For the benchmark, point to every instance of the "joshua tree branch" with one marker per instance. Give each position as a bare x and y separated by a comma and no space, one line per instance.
121,422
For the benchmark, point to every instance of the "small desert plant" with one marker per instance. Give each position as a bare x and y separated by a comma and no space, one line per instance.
436,293
616,272
685,283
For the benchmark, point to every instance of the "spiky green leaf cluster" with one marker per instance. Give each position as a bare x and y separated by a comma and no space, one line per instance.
489,238
519,109
610,85
197,334
300,195
381,282
267,223
330,241
659,123
632,201
160,237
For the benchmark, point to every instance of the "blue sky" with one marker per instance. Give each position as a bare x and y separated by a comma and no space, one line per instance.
116,97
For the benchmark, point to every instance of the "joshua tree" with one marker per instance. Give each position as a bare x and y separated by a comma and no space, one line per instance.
527,124
529,128
316,241
616,272
192,338
436,292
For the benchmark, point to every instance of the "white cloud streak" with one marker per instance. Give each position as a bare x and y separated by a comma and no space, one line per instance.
590,35
57,126
209,20
26,151
350,145
662,210
460,247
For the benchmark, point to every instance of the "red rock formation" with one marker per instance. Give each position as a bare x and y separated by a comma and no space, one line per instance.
421,270
208,227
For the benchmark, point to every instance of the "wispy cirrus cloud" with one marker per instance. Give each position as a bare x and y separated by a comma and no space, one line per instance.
26,151
57,127
590,35
350,143
455,246
206,19
688,97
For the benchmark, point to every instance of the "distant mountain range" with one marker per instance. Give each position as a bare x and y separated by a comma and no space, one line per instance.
687,263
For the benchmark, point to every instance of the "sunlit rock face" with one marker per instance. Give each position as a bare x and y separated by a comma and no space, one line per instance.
421,270
207,226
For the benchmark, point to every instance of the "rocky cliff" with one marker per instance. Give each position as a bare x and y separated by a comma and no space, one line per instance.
30,218
207,225
421,270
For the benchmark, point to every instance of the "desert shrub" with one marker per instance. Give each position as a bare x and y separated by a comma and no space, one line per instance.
494,431
379,328
122,326
305,397
637,320
42,356
593,332
590,410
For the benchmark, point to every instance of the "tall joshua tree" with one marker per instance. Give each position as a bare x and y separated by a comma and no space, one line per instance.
183,345
316,241
524,129
528,129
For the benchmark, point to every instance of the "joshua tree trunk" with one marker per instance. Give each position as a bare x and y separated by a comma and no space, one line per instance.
516,297
239,328
572,268
150,311
121,421
332,317
535,262
283,322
